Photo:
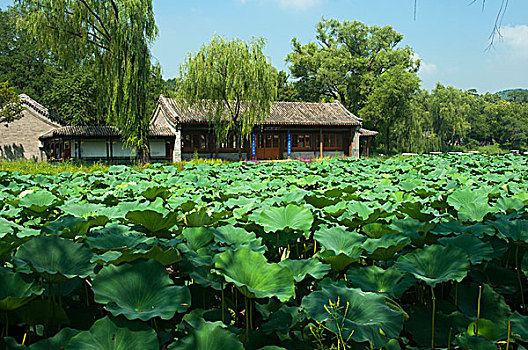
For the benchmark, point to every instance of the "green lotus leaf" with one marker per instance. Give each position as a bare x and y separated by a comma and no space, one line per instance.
16,290
9,343
519,325
152,220
385,247
303,267
254,276
282,320
375,279
445,228
290,217
69,226
320,201
476,249
377,230
59,341
236,236
340,248
362,316
197,237
471,205
516,230
505,204
115,237
7,227
360,209
436,264
109,334
153,191
140,290
82,210
467,342
210,336
488,329
38,201
57,259
492,305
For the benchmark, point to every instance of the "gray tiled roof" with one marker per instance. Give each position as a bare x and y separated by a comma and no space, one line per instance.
100,131
282,113
366,132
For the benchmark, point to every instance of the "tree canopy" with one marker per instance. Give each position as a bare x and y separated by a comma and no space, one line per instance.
232,82
346,60
10,104
116,35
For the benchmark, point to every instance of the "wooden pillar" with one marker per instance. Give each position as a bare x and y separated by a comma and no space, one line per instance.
321,144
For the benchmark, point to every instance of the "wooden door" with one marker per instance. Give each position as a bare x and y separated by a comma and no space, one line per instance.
268,146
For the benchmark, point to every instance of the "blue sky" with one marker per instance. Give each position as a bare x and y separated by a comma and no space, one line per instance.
450,36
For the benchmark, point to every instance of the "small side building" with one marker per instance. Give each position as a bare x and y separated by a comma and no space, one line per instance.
292,130
19,139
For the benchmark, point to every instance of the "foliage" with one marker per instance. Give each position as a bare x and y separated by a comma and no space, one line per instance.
10,104
232,83
364,263
346,61
116,34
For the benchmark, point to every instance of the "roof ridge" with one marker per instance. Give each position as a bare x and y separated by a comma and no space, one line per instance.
43,113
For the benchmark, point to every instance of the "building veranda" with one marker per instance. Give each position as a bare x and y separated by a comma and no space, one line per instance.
296,130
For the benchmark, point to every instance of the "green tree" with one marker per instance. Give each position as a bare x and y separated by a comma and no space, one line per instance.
389,107
285,89
73,96
232,82
117,35
449,109
346,60
28,68
10,104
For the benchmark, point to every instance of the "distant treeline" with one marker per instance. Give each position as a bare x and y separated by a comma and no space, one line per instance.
365,68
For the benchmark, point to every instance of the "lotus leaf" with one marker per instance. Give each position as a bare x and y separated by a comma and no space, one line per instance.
211,336
282,320
385,247
471,205
516,230
254,276
235,236
302,268
57,259
375,279
476,249
114,334
488,329
9,343
362,316
197,237
82,210
436,264
16,290
492,305
290,217
467,342
38,201
519,325
154,217
59,341
115,237
340,248
140,290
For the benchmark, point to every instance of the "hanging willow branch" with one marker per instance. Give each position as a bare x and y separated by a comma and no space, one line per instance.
116,35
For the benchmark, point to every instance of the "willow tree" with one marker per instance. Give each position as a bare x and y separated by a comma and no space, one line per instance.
232,83
116,35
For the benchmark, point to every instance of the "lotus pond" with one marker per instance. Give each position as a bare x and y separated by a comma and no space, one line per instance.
403,253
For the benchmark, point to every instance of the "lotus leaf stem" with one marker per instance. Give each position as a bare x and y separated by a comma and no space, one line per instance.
519,276
223,303
478,310
456,293
433,318
509,332
24,338
449,338
247,318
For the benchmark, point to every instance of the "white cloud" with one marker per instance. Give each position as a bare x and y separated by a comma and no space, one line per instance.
298,4
516,38
301,5
425,67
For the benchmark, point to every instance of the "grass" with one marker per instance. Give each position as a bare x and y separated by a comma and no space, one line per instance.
33,168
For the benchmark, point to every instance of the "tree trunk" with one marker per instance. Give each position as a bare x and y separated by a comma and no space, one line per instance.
142,156
239,144
387,140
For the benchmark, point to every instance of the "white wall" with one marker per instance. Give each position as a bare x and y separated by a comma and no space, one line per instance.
157,148
93,149
121,151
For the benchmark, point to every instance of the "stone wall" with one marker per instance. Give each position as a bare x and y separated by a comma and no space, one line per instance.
19,139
